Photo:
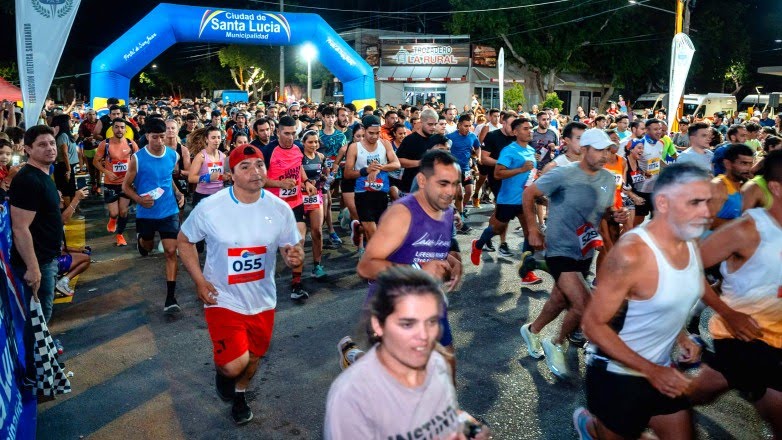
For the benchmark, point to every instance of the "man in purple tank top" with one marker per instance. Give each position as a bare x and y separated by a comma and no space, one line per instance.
417,230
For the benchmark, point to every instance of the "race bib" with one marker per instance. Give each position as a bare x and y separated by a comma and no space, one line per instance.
119,167
653,165
618,180
330,161
312,200
246,264
286,193
376,185
215,167
533,174
637,177
588,238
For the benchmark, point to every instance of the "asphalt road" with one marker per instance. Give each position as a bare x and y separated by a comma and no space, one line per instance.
140,374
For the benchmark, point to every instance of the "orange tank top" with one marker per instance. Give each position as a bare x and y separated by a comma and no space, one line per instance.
617,169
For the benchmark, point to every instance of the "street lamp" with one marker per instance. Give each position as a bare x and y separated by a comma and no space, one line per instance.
309,53
154,66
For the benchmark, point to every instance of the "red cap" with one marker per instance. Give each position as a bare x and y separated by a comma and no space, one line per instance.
242,152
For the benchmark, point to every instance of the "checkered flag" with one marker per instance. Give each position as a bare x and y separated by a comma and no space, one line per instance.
50,379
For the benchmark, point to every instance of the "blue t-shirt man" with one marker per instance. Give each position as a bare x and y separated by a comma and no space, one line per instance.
462,147
515,156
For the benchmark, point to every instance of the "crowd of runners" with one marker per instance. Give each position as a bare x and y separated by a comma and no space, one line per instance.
675,222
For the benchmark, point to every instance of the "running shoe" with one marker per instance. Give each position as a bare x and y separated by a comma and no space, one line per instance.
505,250
318,272
485,198
63,286
171,306
530,279
112,225
348,352
577,338
121,240
240,412
344,219
298,292
465,214
335,240
555,358
224,386
355,232
139,247
475,254
532,340
488,247
581,420
465,229
476,203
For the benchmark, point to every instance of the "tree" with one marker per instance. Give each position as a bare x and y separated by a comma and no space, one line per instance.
9,72
552,101
247,67
514,96
737,74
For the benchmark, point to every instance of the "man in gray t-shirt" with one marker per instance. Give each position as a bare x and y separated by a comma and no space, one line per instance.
698,154
580,195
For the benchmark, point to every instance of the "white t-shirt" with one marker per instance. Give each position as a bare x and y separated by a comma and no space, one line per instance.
366,402
562,160
450,128
651,163
242,241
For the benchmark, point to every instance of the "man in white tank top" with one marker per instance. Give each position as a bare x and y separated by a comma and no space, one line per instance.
635,320
748,331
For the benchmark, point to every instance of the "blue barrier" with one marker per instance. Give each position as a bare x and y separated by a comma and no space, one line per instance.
168,24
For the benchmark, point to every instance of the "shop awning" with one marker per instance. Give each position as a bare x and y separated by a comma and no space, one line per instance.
488,74
421,73
771,70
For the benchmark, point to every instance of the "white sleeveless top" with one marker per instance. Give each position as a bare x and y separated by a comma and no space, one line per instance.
364,157
650,327
755,287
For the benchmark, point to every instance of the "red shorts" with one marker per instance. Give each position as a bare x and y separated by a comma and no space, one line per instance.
233,334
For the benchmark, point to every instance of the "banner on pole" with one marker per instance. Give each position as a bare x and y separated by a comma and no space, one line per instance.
682,51
42,28
501,75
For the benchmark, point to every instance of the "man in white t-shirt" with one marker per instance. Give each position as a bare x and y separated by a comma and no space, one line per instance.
699,154
237,284
652,161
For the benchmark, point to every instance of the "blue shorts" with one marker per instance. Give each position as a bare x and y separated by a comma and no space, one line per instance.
64,263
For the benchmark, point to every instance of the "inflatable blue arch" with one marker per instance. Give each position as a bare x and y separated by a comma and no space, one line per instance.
168,24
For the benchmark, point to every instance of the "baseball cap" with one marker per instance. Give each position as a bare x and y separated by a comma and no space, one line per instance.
596,138
293,104
242,152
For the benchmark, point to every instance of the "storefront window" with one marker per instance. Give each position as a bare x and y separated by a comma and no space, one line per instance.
419,94
489,97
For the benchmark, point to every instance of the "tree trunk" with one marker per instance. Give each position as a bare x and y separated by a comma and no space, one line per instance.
235,78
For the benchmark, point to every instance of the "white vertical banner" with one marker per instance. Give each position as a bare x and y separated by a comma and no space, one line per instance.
42,28
682,51
501,75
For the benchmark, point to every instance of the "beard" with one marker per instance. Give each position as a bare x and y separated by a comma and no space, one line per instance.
690,231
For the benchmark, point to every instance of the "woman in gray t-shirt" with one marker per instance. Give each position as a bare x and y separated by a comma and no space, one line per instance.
401,388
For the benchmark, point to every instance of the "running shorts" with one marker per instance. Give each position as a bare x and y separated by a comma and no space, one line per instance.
112,193
625,403
505,213
167,227
749,367
233,333
559,265
646,208
371,205
347,185
64,263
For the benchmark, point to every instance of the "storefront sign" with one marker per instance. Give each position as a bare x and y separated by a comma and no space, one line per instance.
484,56
401,53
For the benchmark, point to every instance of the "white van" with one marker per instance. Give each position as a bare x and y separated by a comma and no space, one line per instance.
705,105
758,102
652,101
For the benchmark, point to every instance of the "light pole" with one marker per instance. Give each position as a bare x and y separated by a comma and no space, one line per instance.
308,52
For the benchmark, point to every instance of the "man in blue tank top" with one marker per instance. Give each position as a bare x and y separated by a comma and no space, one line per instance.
726,203
417,230
149,183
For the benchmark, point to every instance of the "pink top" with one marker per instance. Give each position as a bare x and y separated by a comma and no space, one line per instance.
208,166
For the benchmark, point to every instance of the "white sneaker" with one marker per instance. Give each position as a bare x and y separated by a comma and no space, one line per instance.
555,358
532,340
63,286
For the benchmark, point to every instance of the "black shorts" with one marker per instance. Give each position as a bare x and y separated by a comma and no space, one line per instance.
347,186
485,170
467,177
495,186
624,403
749,367
298,214
505,213
394,182
112,193
559,265
167,227
646,208
371,205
